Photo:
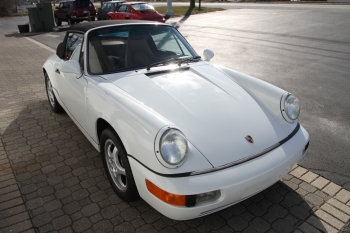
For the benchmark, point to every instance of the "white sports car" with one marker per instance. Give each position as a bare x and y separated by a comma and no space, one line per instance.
188,136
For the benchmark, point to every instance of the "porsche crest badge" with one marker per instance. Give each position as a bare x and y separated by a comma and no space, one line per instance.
249,138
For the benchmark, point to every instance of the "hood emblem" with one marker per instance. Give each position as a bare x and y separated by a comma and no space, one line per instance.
249,138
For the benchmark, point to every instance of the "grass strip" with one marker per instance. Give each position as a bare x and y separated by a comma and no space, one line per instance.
182,10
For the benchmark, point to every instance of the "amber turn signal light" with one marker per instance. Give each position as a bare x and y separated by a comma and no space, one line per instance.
172,199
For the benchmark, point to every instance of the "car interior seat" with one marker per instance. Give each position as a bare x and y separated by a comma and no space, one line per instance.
138,52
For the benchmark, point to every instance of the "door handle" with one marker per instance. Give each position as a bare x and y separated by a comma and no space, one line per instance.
57,71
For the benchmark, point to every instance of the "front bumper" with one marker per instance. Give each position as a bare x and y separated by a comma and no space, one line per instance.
235,183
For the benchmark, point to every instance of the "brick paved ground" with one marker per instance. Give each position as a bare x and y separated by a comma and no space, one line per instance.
52,179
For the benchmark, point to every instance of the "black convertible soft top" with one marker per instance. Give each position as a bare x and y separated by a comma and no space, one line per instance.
84,27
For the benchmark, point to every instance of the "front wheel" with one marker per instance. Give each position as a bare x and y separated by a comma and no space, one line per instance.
117,166
109,18
55,106
70,21
93,18
58,21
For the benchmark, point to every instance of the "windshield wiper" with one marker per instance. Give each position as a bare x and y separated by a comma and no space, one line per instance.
187,60
162,62
181,60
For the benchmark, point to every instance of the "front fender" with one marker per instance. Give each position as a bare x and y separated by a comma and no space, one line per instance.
265,94
136,124
49,66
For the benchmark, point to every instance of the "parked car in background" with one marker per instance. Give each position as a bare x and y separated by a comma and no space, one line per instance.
111,6
74,12
136,10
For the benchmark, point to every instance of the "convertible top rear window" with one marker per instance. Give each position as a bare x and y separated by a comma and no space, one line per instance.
120,48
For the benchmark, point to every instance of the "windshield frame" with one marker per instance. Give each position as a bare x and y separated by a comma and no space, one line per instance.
87,54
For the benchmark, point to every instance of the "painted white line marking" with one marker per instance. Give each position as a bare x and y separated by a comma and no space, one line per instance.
41,45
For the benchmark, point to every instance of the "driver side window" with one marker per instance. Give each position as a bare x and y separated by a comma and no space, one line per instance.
73,46
122,8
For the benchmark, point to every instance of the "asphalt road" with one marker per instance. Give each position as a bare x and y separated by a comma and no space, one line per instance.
304,49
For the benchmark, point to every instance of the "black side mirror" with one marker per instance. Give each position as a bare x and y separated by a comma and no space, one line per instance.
60,50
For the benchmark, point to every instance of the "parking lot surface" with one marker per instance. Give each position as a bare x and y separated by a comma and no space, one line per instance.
52,179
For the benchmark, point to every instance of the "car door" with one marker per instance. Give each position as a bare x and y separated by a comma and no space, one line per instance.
104,10
72,87
121,12
128,13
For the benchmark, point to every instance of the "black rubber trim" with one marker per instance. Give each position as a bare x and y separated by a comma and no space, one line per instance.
166,71
190,200
235,163
161,174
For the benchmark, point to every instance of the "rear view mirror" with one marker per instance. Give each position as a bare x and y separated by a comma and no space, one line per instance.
60,50
208,54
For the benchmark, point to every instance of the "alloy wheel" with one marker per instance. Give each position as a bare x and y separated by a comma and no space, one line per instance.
50,93
115,165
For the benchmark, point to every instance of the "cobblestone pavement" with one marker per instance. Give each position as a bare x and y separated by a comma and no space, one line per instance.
52,179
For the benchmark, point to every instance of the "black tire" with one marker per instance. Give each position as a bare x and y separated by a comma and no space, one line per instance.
98,17
69,20
93,18
55,106
115,161
109,18
58,21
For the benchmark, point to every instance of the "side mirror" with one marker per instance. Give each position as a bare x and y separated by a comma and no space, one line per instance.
208,54
60,50
71,66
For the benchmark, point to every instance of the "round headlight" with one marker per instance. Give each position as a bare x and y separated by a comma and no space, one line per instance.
173,147
291,107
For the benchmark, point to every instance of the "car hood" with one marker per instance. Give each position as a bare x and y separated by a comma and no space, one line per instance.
214,112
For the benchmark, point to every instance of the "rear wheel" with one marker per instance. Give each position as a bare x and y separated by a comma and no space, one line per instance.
58,21
117,166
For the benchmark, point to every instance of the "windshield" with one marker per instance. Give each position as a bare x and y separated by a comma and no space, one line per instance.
120,48
83,4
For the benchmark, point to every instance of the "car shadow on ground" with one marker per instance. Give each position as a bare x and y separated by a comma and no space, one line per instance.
64,186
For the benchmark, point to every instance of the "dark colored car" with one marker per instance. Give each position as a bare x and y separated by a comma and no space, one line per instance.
74,12
138,11
111,6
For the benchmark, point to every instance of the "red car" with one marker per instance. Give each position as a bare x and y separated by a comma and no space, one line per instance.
136,10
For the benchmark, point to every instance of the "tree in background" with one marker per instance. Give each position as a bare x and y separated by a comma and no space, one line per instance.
192,3
6,7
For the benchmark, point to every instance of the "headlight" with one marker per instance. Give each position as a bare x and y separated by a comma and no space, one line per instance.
290,107
173,148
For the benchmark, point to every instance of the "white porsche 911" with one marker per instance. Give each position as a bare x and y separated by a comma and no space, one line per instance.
189,137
